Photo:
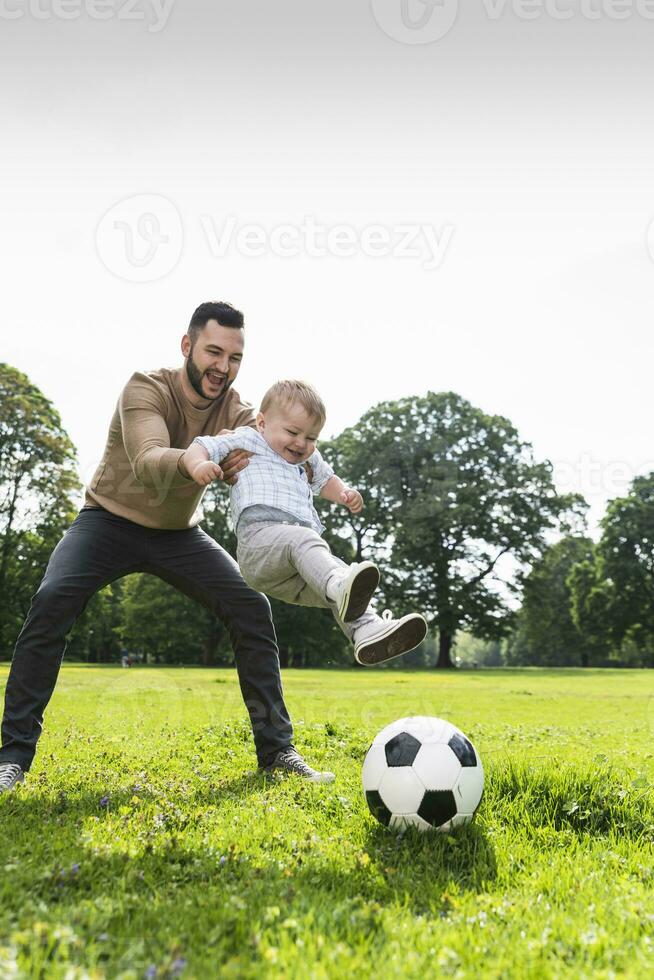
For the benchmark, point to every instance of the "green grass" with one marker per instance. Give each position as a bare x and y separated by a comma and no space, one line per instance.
198,867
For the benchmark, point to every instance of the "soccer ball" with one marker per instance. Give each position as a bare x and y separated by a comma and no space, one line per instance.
422,772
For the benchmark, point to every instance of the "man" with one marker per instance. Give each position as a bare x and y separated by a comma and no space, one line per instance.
141,515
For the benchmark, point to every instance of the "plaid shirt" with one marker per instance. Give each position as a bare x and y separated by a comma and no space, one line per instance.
269,480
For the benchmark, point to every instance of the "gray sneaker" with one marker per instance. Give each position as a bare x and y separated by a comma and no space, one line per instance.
10,775
290,760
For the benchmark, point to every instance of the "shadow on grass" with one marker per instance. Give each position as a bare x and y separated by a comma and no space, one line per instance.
160,889
465,858
21,811
412,869
130,912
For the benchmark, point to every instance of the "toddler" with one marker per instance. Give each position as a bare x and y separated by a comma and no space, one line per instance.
280,548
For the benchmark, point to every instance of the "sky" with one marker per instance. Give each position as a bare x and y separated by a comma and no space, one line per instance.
401,196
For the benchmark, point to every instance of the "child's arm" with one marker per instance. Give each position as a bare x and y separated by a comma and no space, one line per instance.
196,463
206,452
326,484
336,491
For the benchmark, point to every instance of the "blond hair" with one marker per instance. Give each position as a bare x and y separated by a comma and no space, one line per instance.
286,393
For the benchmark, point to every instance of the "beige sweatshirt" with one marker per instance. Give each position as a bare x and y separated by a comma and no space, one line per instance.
154,422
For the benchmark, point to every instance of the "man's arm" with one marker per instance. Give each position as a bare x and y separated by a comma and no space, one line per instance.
142,411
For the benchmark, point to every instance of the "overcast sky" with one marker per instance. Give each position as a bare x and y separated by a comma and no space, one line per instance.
400,197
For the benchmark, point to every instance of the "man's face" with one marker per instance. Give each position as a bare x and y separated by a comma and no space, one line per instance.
213,361
290,431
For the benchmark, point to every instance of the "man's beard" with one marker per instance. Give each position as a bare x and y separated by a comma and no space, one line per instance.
195,376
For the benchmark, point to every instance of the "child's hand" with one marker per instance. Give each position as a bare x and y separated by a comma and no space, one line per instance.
206,472
352,500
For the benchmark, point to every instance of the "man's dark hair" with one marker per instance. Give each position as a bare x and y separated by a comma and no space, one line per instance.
224,313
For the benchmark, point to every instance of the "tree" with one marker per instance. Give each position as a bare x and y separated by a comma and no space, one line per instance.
96,637
472,652
591,598
626,551
38,484
217,645
613,594
455,502
161,622
309,637
546,633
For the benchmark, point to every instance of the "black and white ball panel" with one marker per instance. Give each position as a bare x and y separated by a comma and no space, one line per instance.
437,766
463,750
469,789
402,749
438,807
422,771
377,807
401,790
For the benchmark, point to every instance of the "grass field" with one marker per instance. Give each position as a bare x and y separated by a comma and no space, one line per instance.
144,845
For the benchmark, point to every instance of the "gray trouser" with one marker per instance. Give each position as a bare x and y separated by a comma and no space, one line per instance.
292,563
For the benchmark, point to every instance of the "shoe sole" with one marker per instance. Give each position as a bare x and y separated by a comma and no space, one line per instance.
362,588
323,779
394,643
319,778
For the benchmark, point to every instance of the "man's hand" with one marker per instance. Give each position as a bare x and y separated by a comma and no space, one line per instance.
352,500
236,461
206,472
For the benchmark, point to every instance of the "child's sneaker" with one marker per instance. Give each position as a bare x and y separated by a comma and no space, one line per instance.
11,775
353,592
290,760
381,640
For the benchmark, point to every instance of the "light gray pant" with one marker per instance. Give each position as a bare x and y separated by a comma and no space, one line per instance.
292,563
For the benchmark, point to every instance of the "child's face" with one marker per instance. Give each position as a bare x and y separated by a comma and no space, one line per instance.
290,431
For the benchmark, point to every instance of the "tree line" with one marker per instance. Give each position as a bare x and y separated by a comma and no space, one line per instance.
465,523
